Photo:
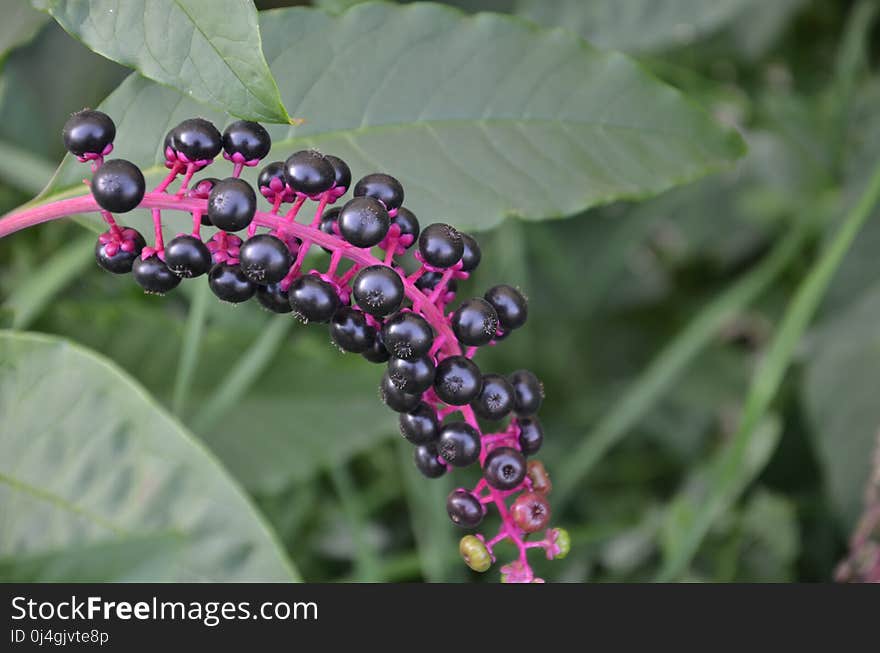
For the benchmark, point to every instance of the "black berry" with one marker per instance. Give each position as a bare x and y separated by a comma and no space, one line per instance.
232,204
382,187
408,223
118,186
464,509
264,259
413,376
121,260
271,180
273,298
363,222
313,299
230,284
429,280
441,245
528,393
420,425
377,353
425,458
187,256
350,331
249,139
509,304
504,468
378,290
459,444
197,139
154,276
395,398
475,322
341,172
88,132
531,435
496,398
407,335
309,172
458,380
471,253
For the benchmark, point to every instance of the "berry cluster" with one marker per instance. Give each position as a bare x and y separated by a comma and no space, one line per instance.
374,308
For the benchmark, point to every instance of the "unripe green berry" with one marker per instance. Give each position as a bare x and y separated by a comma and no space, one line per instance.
475,553
562,541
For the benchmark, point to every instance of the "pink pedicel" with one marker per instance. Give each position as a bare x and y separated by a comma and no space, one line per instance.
300,238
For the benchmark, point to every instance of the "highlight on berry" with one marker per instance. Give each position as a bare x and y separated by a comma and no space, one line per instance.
388,292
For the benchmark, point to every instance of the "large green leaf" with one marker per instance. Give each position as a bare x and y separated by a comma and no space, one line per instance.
481,117
19,25
840,394
89,463
208,49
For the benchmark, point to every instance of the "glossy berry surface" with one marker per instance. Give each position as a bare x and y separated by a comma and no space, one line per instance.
230,284
509,304
429,280
312,299
420,425
408,223
425,458
116,251
187,256
376,352
378,290
248,139
464,509
414,375
528,393
495,400
382,187
471,254
309,172
475,322
88,132
350,331
407,335
341,171
505,468
153,275
363,222
232,204
264,259
531,435
458,380
531,512
271,181
273,298
441,245
395,398
459,444
197,139
118,186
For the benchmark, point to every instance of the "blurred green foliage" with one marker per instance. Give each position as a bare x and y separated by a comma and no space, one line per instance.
627,299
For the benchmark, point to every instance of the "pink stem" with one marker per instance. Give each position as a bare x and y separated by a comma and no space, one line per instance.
175,170
157,229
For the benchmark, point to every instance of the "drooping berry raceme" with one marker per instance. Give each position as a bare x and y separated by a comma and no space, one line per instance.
392,317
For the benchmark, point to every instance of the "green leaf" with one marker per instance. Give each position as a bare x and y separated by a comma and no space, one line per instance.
208,49
19,25
475,129
636,25
89,462
840,394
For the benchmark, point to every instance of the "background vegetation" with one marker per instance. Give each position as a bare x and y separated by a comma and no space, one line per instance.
703,421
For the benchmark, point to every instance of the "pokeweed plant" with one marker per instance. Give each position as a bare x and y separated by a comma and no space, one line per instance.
625,135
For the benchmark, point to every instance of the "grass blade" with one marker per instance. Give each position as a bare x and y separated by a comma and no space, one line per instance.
189,350
659,376
767,380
